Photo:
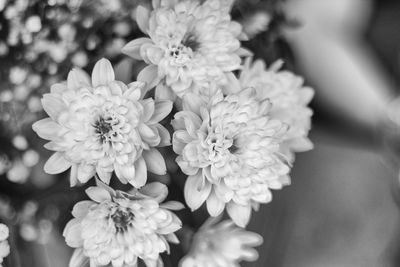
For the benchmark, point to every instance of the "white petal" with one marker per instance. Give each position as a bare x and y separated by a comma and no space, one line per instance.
72,233
125,172
103,73
155,161
156,190
85,172
165,138
53,105
78,259
98,194
56,164
191,102
148,135
148,108
104,175
81,208
77,78
142,18
233,86
141,173
132,48
164,92
240,214
46,128
172,205
73,177
195,194
149,75
162,109
214,205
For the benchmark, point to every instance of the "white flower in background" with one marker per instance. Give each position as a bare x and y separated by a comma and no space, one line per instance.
229,148
102,125
189,43
117,228
221,245
289,98
4,246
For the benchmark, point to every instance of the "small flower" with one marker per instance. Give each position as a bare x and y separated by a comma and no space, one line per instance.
221,245
289,100
117,228
190,43
103,126
229,148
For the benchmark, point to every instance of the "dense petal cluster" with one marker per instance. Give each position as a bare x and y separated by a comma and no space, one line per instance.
189,42
119,228
289,100
102,125
221,245
229,148
4,246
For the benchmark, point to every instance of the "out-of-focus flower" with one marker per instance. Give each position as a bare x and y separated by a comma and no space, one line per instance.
289,98
256,23
20,142
117,228
102,125
18,173
4,246
229,148
190,43
30,158
18,75
33,24
221,245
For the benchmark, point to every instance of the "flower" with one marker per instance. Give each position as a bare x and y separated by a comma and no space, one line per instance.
190,43
117,228
229,148
4,246
221,245
103,126
289,100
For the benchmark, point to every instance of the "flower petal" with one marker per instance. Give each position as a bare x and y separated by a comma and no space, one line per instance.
98,194
85,172
132,48
103,73
240,214
165,138
164,92
172,205
125,172
56,164
72,233
195,194
155,161
46,128
53,105
149,75
162,109
148,108
77,78
215,206
191,102
81,208
141,174
142,18
78,259
156,190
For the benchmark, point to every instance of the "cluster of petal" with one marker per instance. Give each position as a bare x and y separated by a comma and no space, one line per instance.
289,100
221,245
119,228
101,125
4,246
229,148
189,43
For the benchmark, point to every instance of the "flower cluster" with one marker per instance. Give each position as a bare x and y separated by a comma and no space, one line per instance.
4,246
235,128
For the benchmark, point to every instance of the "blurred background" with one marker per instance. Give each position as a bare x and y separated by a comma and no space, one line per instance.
342,208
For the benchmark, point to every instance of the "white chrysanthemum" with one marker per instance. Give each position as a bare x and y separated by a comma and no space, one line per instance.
190,43
221,245
289,100
4,246
118,228
102,125
229,148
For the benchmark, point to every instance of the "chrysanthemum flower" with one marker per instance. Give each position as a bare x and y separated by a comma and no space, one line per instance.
102,125
118,228
221,245
289,100
4,246
229,148
189,43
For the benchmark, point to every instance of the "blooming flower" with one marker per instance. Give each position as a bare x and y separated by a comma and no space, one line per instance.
289,100
221,245
190,43
117,228
103,126
229,148
4,246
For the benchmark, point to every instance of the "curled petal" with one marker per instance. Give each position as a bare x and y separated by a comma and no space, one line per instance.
196,191
156,190
162,109
155,161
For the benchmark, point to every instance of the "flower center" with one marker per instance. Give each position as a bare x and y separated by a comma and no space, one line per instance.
104,128
219,145
122,219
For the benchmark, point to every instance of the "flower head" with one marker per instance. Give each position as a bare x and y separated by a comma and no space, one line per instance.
117,228
229,148
102,125
189,42
289,100
221,245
